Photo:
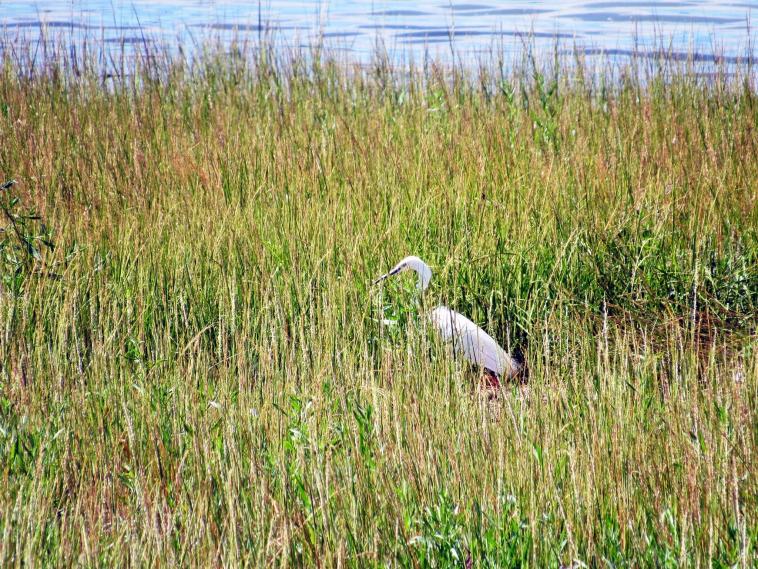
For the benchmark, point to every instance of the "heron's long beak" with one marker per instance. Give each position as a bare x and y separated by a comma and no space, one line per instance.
380,279
394,271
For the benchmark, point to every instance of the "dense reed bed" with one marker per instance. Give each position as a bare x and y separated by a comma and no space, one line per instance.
194,373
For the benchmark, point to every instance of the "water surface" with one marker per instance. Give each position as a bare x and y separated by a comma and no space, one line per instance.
407,30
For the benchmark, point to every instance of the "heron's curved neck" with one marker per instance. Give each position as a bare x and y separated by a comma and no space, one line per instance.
423,272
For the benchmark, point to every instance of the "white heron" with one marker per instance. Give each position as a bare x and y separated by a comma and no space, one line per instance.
467,339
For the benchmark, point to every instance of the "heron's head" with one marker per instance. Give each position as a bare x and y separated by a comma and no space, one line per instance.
411,263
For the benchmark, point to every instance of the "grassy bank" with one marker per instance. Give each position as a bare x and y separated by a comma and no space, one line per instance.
194,374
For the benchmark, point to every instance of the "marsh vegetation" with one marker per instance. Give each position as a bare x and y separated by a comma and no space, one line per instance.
192,370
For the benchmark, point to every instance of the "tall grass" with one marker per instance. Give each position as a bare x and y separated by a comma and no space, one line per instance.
195,375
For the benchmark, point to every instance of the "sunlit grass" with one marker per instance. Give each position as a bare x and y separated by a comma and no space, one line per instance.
195,374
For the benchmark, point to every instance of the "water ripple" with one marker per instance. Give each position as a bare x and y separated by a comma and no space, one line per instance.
596,26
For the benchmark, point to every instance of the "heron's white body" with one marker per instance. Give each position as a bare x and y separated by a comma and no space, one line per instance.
473,343
466,338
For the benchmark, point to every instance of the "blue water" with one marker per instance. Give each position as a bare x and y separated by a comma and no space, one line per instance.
463,31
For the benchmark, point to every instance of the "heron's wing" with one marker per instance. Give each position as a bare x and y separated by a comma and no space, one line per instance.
471,341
